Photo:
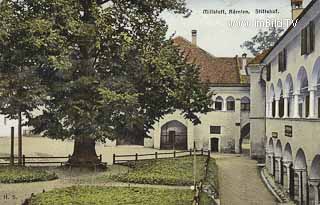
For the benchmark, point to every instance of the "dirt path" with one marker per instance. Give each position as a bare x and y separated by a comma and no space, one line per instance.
240,183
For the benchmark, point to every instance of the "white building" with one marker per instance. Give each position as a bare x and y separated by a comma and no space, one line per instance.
286,80
223,129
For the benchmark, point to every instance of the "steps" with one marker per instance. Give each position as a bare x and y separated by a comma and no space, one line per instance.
276,190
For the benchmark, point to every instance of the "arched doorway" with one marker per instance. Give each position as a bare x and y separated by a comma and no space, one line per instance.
288,172
300,181
244,144
314,181
302,94
270,157
173,136
288,97
278,163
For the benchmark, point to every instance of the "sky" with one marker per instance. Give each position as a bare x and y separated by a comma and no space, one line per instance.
215,33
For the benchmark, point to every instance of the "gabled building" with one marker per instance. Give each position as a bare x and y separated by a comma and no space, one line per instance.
286,123
223,129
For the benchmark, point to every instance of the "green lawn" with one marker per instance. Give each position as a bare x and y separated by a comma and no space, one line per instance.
84,195
10,174
177,171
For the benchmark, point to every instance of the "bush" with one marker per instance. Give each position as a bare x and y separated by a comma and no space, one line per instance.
9,174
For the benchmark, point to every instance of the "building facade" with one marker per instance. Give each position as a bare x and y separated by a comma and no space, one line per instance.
223,129
288,75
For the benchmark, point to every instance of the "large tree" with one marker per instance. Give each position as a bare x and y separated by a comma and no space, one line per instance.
263,40
21,89
108,68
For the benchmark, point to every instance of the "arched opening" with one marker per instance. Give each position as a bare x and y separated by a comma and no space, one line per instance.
270,157
245,104
302,90
314,181
288,95
272,101
300,181
245,140
315,91
218,103
280,99
230,104
173,136
288,182
279,163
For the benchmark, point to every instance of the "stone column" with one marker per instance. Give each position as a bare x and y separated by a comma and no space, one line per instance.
315,185
286,103
268,109
296,105
271,108
312,92
277,176
224,105
277,108
287,165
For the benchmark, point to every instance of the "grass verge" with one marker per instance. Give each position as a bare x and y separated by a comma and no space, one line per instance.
175,171
83,195
9,174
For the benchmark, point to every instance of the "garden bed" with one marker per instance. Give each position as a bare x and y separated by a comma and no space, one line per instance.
83,195
175,171
9,174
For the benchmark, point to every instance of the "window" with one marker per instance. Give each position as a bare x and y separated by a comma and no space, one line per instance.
282,61
230,104
268,72
245,104
218,103
281,106
308,39
215,129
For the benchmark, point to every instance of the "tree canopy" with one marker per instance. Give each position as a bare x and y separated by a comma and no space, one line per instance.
263,40
99,69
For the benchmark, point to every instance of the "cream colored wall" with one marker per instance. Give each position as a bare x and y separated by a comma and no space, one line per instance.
230,133
305,136
305,131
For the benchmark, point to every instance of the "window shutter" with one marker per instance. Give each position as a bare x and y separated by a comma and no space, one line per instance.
312,36
285,59
303,40
308,40
279,61
269,72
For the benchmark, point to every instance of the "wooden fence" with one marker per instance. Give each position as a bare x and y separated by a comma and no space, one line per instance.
120,159
38,160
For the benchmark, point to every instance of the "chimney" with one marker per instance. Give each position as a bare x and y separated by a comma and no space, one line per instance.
244,64
297,8
194,37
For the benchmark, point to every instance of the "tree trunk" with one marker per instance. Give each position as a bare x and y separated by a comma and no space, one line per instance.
84,153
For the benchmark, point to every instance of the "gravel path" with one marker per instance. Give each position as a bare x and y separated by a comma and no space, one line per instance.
240,183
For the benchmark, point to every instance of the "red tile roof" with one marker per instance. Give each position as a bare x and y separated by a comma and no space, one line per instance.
213,70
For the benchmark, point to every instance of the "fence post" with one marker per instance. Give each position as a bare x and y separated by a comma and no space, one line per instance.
12,147
209,153
136,156
174,154
190,152
23,160
156,155
114,159
202,151
100,157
